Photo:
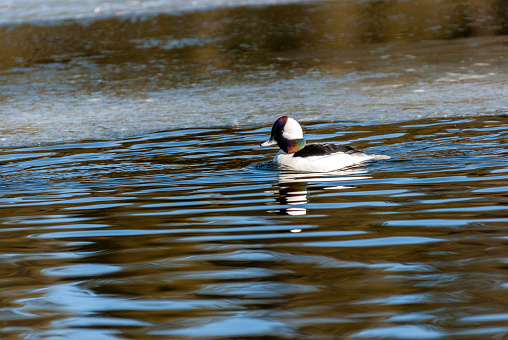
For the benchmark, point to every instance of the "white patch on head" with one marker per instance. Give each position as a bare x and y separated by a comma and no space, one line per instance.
292,130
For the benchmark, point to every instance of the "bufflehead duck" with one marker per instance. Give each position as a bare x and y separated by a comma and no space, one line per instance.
317,157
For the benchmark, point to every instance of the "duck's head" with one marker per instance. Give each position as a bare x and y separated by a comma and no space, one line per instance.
287,134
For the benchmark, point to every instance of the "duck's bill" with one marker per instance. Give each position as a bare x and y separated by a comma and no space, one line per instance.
269,142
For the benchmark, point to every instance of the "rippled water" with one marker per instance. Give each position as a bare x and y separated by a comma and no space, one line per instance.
135,202
191,234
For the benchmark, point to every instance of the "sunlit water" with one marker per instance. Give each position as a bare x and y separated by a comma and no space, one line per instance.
136,203
143,67
195,234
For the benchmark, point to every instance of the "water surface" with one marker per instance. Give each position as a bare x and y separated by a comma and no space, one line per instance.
135,202
191,234
146,66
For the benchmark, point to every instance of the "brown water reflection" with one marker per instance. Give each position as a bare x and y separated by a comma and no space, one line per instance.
235,37
173,235
153,238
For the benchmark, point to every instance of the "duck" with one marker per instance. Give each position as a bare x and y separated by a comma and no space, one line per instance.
296,154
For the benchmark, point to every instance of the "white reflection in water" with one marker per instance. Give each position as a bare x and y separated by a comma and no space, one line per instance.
293,187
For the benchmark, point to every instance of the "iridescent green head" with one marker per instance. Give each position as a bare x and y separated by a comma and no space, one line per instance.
287,134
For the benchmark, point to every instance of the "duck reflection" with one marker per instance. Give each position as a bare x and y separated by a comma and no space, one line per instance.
293,188
293,195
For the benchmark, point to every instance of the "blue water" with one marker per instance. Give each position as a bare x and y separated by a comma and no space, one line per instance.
136,203
152,237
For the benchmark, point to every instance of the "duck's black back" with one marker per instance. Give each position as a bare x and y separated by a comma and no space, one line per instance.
321,149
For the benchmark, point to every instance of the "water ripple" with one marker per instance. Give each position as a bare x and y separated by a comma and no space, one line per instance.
122,239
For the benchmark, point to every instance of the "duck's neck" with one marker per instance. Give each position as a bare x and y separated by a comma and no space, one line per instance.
291,145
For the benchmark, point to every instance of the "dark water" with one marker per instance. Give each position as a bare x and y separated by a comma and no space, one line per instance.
182,234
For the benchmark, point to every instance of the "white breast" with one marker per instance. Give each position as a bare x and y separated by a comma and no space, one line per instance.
323,163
